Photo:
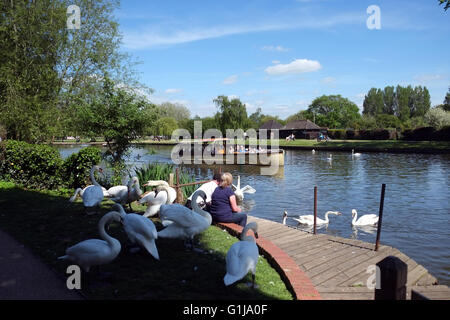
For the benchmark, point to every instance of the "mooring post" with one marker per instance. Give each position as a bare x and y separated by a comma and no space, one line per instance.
380,216
179,198
315,209
393,276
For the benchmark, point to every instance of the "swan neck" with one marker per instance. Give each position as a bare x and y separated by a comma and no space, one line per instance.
199,210
101,229
244,236
355,218
94,182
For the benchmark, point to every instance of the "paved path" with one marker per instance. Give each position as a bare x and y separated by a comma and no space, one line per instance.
24,277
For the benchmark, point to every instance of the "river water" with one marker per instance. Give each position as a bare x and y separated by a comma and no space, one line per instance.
416,206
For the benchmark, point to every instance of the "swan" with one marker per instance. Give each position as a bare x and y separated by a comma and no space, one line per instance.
80,192
186,223
171,192
95,252
242,257
240,192
365,220
92,195
313,151
355,154
126,194
139,229
330,158
309,219
155,199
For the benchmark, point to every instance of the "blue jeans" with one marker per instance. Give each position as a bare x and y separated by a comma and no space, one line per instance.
238,218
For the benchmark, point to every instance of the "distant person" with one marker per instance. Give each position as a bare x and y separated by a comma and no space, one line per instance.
208,188
224,207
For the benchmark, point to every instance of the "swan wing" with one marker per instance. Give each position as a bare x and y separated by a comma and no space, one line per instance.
152,199
117,191
180,215
241,258
248,189
139,225
368,219
92,196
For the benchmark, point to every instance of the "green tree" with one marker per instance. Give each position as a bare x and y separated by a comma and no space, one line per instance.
402,99
387,121
334,111
165,126
301,115
437,118
420,102
373,102
174,110
232,114
446,2
446,105
389,100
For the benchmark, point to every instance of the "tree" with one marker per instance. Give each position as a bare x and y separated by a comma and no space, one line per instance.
232,114
389,100
373,102
301,115
446,105
437,118
116,115
402,95
446,2
174,110
334,111
165,126
387,121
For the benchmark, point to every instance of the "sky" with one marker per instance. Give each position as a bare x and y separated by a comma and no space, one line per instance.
280,55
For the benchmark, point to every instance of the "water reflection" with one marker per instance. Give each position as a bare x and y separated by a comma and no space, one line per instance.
363,229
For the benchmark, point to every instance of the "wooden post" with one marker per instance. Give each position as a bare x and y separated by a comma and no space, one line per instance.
393,276
171,179
380,216
315,209
179,198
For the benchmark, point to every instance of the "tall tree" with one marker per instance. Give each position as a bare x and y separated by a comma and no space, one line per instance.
334,111
373,102
389,100
402,99
232,113
447,101
174,110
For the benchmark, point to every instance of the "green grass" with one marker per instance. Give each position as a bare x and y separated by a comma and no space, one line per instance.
47,223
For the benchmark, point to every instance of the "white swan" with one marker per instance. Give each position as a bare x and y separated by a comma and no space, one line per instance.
365,220
95,252
171,192
242,257
330,158
186,223
313,151
139,229
92,195
126,194
79,192
240,192
163,195
309,219
355,154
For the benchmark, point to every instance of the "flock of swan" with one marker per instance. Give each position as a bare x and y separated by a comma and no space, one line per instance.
308,220
179,222
330,156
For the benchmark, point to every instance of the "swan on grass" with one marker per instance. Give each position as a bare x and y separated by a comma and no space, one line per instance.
92,195
79,192
95,252
240,192
309,219
171,192
140,230
242,257
126,194
164,194
365,220
185,223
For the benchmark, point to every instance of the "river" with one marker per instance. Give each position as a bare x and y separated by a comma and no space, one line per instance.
416,207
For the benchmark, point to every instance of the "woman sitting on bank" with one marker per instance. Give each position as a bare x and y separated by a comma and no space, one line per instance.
223,204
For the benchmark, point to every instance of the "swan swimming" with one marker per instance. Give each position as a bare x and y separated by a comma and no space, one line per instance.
92,195
139,229
242,257
186,223
330,158
95,252
365,220
240,192
309,219
355,154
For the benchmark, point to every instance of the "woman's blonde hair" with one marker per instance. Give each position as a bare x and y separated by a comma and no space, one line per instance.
227,179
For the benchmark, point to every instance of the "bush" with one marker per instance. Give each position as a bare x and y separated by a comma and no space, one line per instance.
35,166
419,134
336,133
76,167
442,135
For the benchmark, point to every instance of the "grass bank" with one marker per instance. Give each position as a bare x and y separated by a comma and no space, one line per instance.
47,223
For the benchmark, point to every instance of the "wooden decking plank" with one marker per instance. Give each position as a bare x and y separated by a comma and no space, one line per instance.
322,255
287,234
415,274
436,292
339,274
303,250
294,241
427,280
305,242
275,230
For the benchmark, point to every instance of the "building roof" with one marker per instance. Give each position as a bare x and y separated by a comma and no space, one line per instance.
270,125
301,125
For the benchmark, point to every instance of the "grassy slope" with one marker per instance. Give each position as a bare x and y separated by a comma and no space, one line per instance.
48,224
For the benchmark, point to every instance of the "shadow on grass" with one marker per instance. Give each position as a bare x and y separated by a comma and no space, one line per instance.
48,224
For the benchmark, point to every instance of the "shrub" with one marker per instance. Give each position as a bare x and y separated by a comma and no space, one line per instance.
76,167
36,166
442,135
336,133
419,134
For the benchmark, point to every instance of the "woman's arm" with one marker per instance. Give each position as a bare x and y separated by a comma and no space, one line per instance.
233,204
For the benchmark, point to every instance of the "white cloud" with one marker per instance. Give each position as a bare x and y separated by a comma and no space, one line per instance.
233,96
231,79
274,48
295,67
172,91
429,77
276,61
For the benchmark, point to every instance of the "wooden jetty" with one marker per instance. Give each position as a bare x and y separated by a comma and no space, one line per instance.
338,267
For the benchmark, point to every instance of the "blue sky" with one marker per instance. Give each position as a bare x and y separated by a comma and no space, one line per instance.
280,55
